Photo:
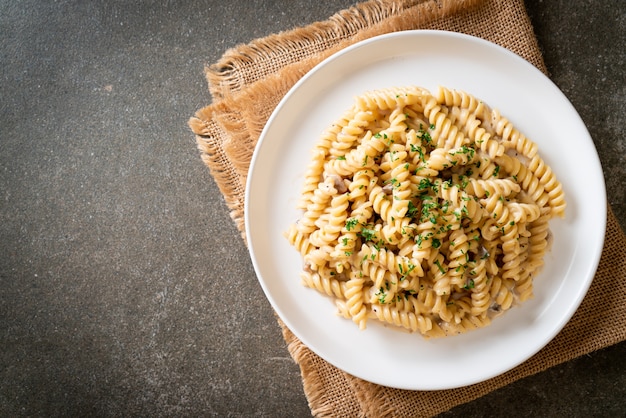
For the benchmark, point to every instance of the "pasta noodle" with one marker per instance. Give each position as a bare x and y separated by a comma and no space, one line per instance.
425,212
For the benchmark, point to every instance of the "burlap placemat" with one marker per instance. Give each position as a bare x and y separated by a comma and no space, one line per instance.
247,84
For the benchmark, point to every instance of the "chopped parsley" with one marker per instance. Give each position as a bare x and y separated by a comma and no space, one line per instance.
424,135
382,295
351,224
412,210
367,234
470,284
441,269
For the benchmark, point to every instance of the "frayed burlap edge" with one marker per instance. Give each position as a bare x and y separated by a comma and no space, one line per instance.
248,63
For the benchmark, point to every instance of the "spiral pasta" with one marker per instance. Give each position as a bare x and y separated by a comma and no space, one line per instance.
425,212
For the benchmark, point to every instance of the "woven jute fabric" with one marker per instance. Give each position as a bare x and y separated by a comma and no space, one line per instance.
246,85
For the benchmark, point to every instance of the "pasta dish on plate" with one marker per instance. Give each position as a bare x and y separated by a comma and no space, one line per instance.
427,212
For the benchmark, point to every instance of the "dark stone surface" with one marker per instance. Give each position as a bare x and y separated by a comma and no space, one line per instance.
125,289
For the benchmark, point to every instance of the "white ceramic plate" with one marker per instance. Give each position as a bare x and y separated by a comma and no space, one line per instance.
427,59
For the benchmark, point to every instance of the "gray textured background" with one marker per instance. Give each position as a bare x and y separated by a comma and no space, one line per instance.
125,289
